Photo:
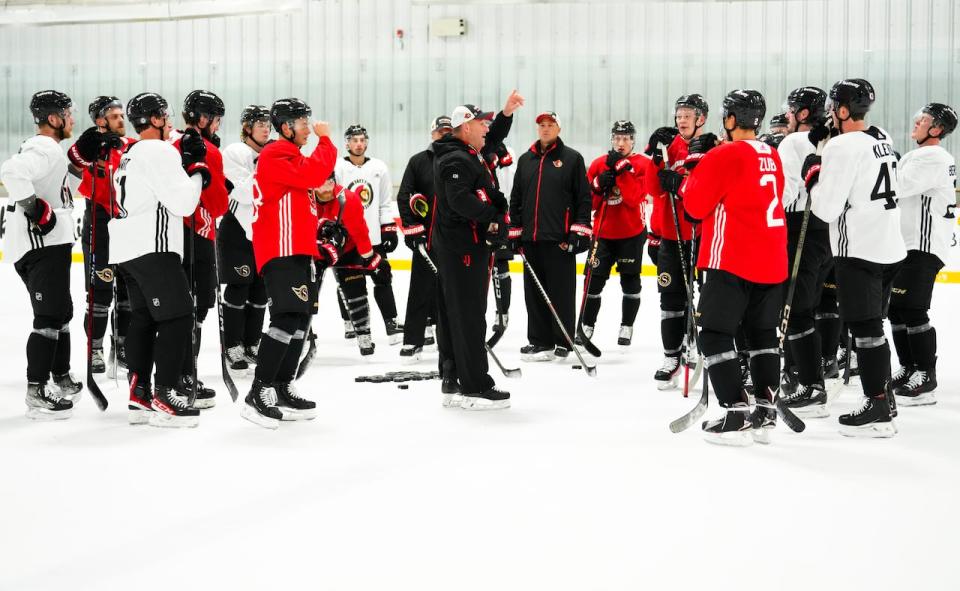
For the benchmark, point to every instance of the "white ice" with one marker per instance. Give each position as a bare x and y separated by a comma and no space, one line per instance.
579,486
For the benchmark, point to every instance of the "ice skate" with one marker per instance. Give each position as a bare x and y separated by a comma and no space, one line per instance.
46,404
172,409
669,373
260,406
293,407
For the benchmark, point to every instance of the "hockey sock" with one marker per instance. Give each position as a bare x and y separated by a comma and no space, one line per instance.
629,308
806,355
765,360
234,312
288,367
138,345
873,355
383,294
343,307
672,324
923,345
61,359
274,344
253,325
170,353
723,366
828,326
101,314
41,349
901,343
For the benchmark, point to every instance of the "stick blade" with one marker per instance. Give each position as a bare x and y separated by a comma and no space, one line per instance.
687,420
96,393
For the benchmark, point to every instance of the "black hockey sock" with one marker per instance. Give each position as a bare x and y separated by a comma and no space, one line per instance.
233,324
273,347
101,314
902,345
170,352
343,307
765,370
288,367
41,349
61,359
629,308
253,326
591,309
923,345
672,325
828,326
122,318
723,366
383,294
138,345
873,357
806,355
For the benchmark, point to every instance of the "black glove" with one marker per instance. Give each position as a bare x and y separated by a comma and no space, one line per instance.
820,132
333,233
111,141
41,216
514,234
192,148
810,171
663,135
84,152
215,139
414,237
501,235
578,239
699,146
670,180
388,237
613,157
606,180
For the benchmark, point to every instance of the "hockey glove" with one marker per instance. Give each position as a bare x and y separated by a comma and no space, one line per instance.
83,153
333,233
670,180
419,205
810,171
820,132
414,236
329,254
498,233
605,181
578,239
653,239
514,234
698,147
388,237
663,135
371,264
215,139
192,148
613,157
41,216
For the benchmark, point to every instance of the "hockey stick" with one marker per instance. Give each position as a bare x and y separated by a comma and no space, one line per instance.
499,328
193,313
115,315
311,336
95,392
507,372
590,369
224,370
591,260
696,360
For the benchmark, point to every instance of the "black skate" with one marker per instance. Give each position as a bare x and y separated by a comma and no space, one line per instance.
97,364
366,344
919,389
763,419
349,332
902,376
536,353
410,354
734,428
69,386
237,358
561,352
808,401
491,399
625,338
394,331
872,419
451,390
666,377
260,406
44,404
206,397
293,407
139,407
429,340
250,353
172,409
831,369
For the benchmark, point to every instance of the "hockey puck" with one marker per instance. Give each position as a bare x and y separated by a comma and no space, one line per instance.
402,386
576,367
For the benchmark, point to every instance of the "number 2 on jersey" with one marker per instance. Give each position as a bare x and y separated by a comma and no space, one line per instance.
882,189
772,220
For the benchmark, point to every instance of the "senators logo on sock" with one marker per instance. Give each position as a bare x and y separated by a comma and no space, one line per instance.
301,292
106,275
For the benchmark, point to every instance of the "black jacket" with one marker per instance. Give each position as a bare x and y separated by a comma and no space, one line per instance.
467,200
550,193
417,178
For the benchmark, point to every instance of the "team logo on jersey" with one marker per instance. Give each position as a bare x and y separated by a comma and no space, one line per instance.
243,270
615,191
364,189
664,279
156,302
557,163
301,292
106,275
38,296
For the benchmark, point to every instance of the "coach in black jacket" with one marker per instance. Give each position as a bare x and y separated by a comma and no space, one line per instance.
470,216
550,201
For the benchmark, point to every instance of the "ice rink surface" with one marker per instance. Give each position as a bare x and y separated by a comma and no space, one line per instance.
579,486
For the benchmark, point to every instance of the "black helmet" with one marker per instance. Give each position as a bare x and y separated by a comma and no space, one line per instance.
623,127
202,102
253,113
101,105
693,101
747,106
856,94
49,102
146,105
811,98
943,117
355,129
771,139
778,120
287,110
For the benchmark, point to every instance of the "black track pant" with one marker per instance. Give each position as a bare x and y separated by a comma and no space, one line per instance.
421,301
557,271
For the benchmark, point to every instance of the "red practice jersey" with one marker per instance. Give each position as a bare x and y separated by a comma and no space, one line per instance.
623,219
284,213
737,190
661,219
352,220
213,199
102,189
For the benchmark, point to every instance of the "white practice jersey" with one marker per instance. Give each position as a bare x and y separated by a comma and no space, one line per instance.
371,181
239,167
857,196
506,174
793,150
928,180
39,168
153,196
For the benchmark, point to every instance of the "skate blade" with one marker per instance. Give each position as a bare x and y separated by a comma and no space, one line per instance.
410,360
471,403
670,384
395,339
730,439
205,403
293,414
251,414
42,414
73,397
872,430
452,400
167,421
536,357
926,399
814,411
762,435
138,416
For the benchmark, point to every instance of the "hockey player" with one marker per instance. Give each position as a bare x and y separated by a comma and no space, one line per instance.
245,297
927,176
106,112
855,191
156,186
803,380
550,209
780,124
416,202
284,246
690,115
39,234
470,212
736,189
370,179
619,193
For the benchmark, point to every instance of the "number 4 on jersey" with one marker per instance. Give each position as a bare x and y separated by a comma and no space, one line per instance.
882,189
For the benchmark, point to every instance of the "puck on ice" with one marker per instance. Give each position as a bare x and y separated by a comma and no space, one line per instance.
402,386
576,367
